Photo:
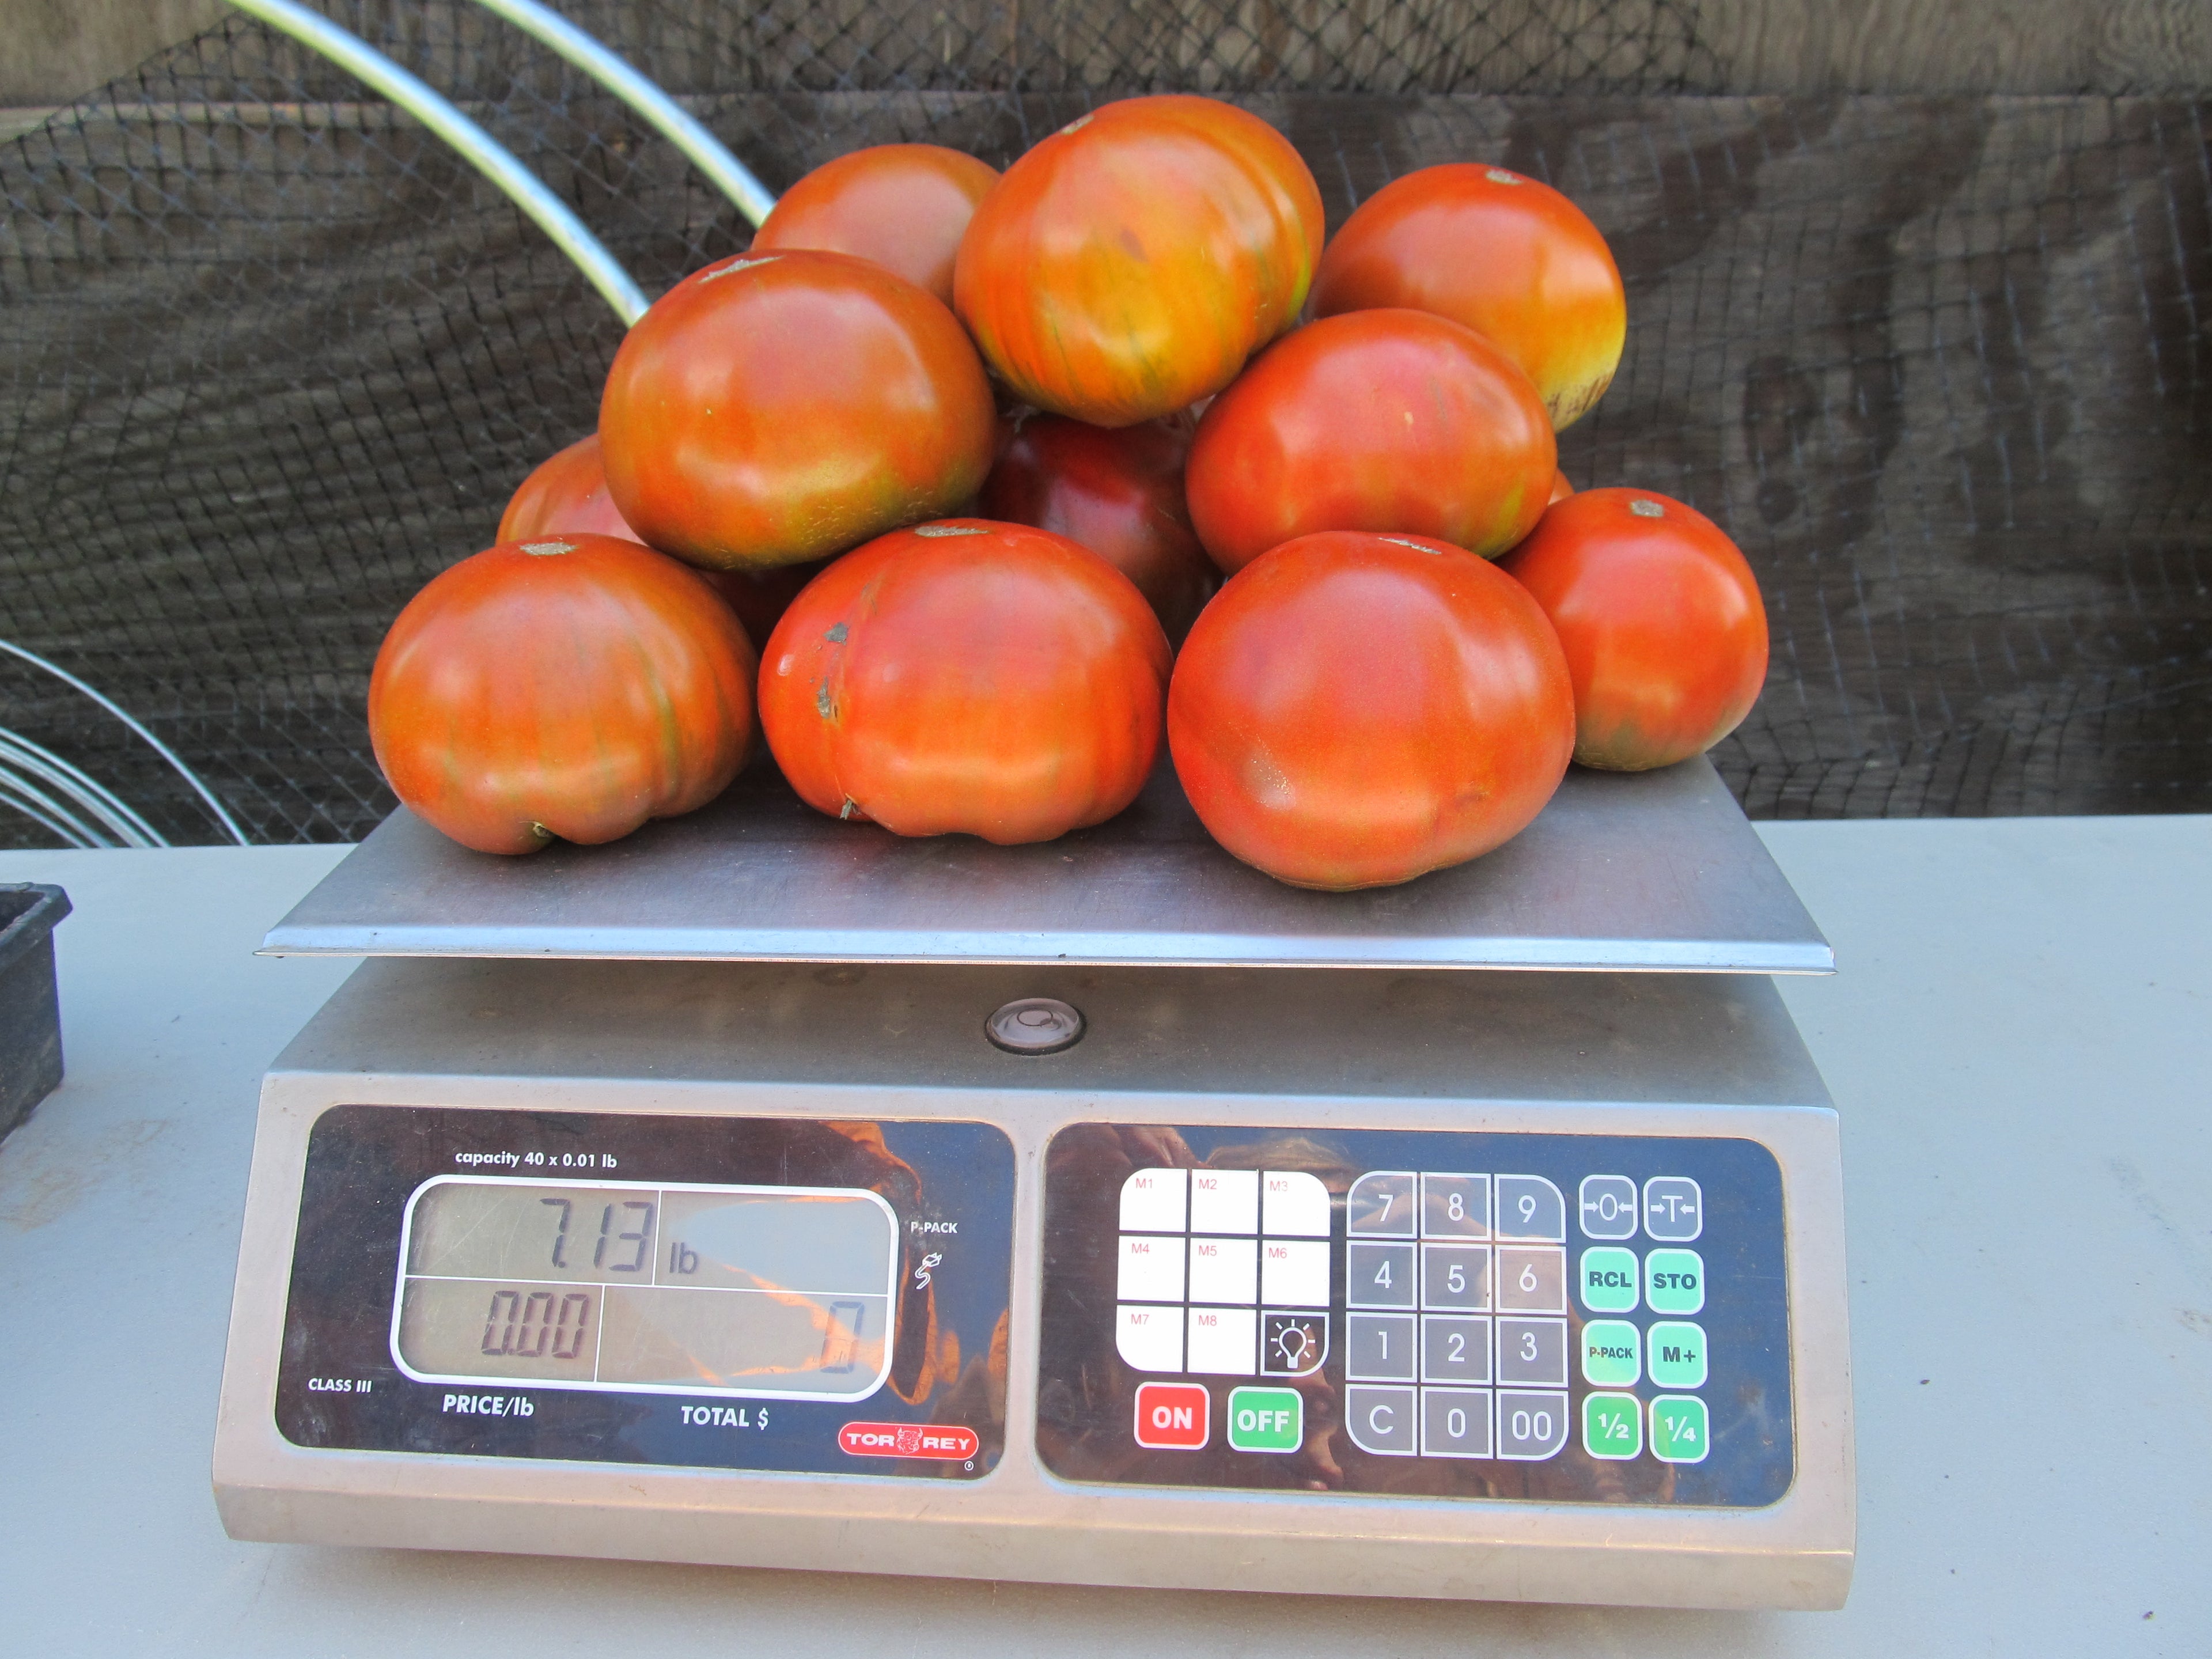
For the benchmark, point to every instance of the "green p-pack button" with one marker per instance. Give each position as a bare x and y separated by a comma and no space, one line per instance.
1674,1281
1679,1429
1266,1419
1611,1354
1608,1280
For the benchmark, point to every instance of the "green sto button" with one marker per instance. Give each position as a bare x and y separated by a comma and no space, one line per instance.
1674,1281
1678,1356
1612,1426
1678,1429
1266,1419
1611,1357
1609,1277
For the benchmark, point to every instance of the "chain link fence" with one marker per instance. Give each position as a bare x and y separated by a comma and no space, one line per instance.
270,356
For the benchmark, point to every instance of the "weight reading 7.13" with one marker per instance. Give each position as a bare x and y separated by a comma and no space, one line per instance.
607,1249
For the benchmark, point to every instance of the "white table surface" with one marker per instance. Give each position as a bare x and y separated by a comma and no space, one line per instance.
2020,1042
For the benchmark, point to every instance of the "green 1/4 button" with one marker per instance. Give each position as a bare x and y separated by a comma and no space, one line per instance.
1612,1426
1679,1429
1674,1281
1608,1280
1611,1356
1678,1355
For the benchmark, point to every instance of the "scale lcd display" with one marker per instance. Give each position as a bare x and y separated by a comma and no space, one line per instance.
755,1292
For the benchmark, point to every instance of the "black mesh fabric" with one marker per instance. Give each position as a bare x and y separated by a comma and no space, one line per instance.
272,357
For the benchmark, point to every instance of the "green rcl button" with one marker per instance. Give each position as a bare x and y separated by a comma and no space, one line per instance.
1266,1419
1674,1281
1609,1281
1678,1356
1612,1426
1678,1430
1611,1357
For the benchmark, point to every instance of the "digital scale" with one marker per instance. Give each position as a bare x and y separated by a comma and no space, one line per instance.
763,1189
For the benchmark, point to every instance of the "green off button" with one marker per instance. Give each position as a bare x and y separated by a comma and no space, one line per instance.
1612,1426
1675,1282
1609,1278
1612,1358
1679,1429
1266,1419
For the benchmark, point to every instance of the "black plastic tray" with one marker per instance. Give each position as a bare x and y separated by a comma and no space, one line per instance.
30,1001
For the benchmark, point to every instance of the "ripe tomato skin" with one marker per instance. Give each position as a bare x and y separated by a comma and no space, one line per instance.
1129,264
1506,255
1388,421
1118,493
777,408
967,676
1354,710
566,495
1661,619
904,206
572,687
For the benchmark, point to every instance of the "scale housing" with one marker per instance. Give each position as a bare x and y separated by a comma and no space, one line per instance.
756,990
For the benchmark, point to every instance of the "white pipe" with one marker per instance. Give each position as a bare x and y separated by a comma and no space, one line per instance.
83,790
707,152
478,147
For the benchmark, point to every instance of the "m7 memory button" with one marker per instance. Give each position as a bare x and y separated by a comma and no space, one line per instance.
1674,1281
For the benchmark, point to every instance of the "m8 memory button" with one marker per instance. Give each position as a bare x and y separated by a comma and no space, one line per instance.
1674,1281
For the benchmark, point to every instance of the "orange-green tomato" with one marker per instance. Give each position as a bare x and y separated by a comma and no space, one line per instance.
904,206
777,408
1505,254
1389,420
571,686
1661,619
1129,264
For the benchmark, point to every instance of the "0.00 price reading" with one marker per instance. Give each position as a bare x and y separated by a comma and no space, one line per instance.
530,1326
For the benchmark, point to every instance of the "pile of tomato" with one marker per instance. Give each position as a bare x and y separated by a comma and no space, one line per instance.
967,491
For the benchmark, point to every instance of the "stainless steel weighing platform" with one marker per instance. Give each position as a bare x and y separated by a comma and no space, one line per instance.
768,1190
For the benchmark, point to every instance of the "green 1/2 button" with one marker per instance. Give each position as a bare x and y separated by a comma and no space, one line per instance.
1611,1356
1267,1419
1678,1355
1674,1281
1612,1426
1608,1280
1679,1429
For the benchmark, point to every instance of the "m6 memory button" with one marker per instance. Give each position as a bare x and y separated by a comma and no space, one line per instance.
1674,1281
1608,1277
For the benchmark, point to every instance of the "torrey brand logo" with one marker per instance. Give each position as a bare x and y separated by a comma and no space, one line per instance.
908,1440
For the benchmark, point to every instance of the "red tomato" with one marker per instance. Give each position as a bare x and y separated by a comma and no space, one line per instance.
1661,619
572,687
1119,494
1129,264
1510,256
566,495
760,597
905,206
1354,710
781,407
1382,420
965,676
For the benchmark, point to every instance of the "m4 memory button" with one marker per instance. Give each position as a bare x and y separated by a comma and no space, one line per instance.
1608,1277
1675,1282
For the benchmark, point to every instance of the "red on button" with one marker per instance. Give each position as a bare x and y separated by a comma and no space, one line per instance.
950,1442
1172,1416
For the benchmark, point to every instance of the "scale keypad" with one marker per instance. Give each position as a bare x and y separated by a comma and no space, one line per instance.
1492,1303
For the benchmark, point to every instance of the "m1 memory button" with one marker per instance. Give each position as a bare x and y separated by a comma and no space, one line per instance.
1674,1281
1531,1427
1608,1277
1609,1206
1673,1209
1613,1426
1677,1356
1613,1354
1382,1420
1266,1419
1679,1432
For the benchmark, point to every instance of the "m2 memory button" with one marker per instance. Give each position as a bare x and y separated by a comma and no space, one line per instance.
1608,1277
1675,1282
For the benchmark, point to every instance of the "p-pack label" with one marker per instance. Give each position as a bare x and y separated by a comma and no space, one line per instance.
1173,1416
947,1441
